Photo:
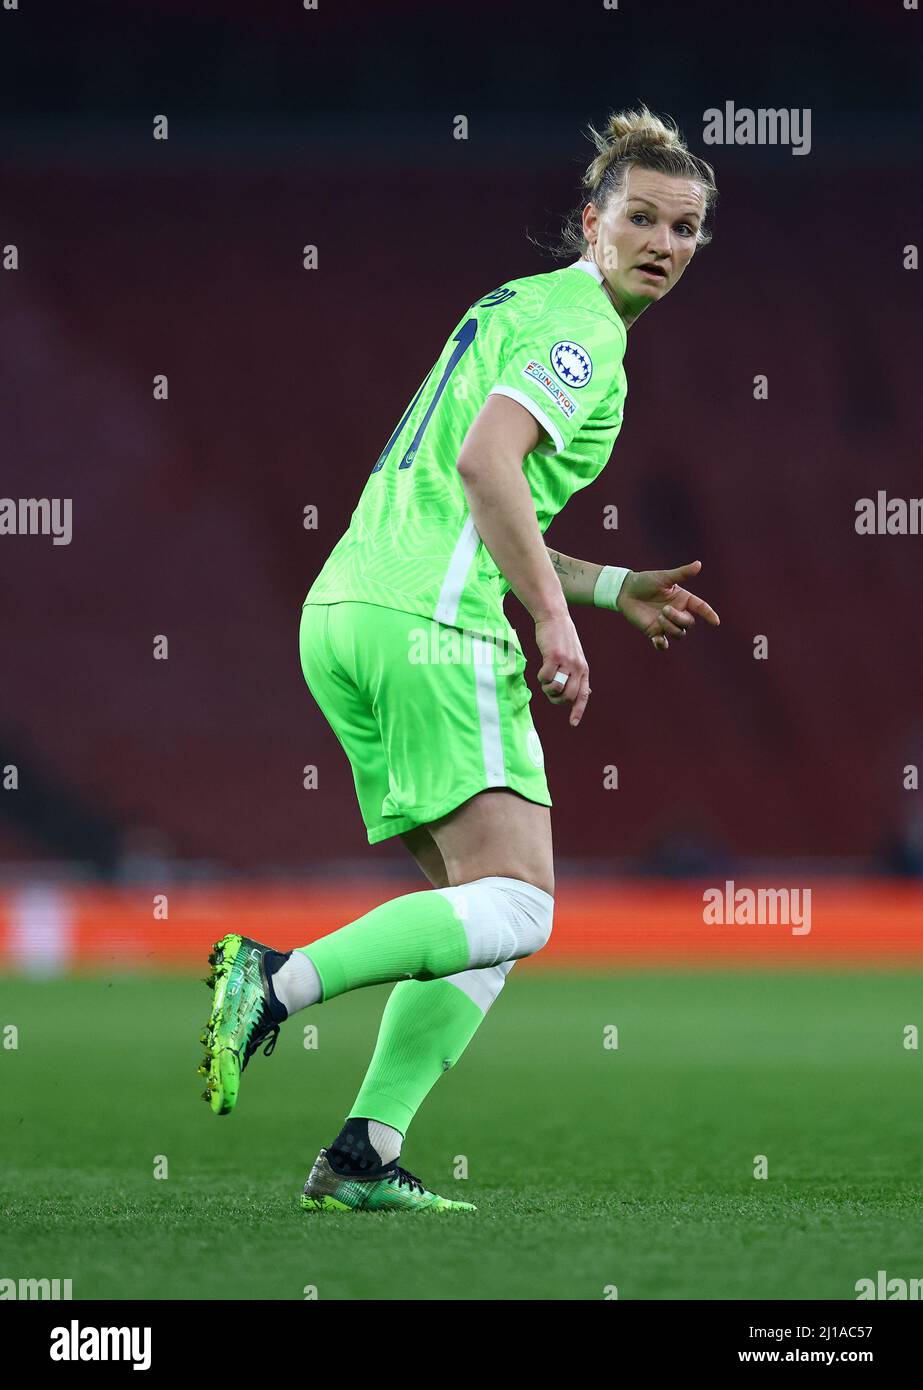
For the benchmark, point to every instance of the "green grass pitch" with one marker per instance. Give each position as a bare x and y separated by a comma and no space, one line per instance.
592,1167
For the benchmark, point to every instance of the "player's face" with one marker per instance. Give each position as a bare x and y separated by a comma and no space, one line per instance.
645,237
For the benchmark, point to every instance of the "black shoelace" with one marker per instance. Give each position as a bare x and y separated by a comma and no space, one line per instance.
265,1031
403,1177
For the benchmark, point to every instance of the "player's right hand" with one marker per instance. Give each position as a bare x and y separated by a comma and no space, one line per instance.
561,652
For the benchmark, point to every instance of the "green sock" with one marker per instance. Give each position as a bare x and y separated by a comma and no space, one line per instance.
425,1028
414,937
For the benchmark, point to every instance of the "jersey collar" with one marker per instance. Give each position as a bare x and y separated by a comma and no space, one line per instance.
593,270
590,267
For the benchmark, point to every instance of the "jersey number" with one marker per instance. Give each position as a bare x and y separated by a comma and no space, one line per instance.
463,338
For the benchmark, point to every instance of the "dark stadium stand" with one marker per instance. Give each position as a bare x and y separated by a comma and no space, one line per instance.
187,514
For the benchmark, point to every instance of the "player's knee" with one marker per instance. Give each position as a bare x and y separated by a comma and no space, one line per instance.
504,918
536,913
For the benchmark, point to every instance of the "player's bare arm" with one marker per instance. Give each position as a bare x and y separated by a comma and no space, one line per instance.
491,468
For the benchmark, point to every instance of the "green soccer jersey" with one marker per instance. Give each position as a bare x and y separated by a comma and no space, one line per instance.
552,342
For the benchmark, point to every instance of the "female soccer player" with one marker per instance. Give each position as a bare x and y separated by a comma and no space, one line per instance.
405,647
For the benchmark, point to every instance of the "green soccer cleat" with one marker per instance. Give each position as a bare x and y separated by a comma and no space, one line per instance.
327,1190
242,1017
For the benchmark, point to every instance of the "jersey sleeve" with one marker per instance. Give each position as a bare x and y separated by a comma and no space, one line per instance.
560,366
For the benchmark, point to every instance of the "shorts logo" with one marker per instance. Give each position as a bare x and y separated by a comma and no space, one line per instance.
572,363
534,748
536,372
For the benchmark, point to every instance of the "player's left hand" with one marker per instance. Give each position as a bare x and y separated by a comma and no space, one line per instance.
654,602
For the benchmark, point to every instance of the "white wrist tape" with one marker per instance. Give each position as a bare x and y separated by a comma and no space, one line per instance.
608,586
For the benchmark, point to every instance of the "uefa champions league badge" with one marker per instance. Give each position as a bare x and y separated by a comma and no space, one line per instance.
572,363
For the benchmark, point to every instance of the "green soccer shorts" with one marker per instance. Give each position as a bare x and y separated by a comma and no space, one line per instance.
427,714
